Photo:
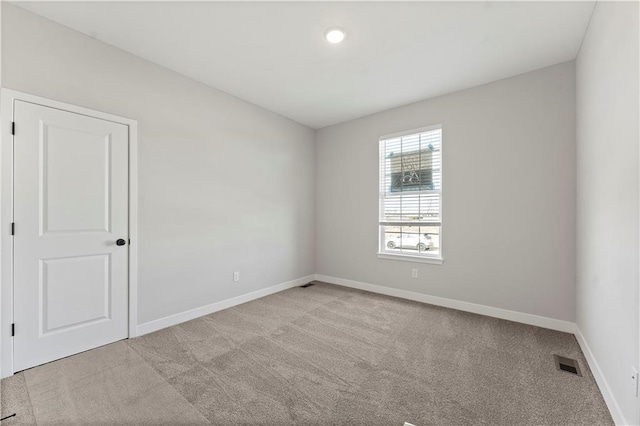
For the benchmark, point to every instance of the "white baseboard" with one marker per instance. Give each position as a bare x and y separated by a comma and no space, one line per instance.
545,322
151,326
612,404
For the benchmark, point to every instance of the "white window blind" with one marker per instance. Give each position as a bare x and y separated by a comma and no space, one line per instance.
410,193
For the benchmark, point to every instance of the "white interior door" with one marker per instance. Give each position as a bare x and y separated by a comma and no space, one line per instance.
70,210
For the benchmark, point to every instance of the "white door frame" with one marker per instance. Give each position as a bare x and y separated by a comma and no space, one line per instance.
7,100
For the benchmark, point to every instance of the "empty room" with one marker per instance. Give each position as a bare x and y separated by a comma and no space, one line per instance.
319,213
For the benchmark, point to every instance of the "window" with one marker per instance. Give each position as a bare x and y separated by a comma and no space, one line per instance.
411,194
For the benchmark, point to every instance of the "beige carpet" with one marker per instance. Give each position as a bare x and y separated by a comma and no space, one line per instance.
318,355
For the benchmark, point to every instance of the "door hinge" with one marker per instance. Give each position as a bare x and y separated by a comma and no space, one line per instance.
13,127
13,330
13,228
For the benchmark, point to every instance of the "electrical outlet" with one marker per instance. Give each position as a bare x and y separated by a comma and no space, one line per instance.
634,381
236,277
414,273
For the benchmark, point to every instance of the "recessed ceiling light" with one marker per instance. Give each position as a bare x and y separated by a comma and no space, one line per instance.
335,35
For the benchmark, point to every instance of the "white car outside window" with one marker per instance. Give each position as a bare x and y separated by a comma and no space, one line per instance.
420,242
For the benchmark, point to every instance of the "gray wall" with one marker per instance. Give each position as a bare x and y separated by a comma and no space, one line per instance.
224,185
508,195
608,191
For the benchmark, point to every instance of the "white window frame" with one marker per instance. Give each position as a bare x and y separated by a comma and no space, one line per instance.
436,259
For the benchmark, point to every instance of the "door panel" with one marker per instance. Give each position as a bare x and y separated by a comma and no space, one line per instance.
87,278
60,151
70,207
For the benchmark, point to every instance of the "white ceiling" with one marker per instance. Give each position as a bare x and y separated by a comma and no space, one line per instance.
274,54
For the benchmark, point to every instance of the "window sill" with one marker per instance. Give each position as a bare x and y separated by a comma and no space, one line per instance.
409,258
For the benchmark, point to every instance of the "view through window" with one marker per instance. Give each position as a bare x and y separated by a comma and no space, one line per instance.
410,193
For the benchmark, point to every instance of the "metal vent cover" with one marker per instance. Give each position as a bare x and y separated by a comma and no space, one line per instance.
567,365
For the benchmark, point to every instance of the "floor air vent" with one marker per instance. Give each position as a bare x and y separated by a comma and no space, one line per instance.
306,285
567,365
